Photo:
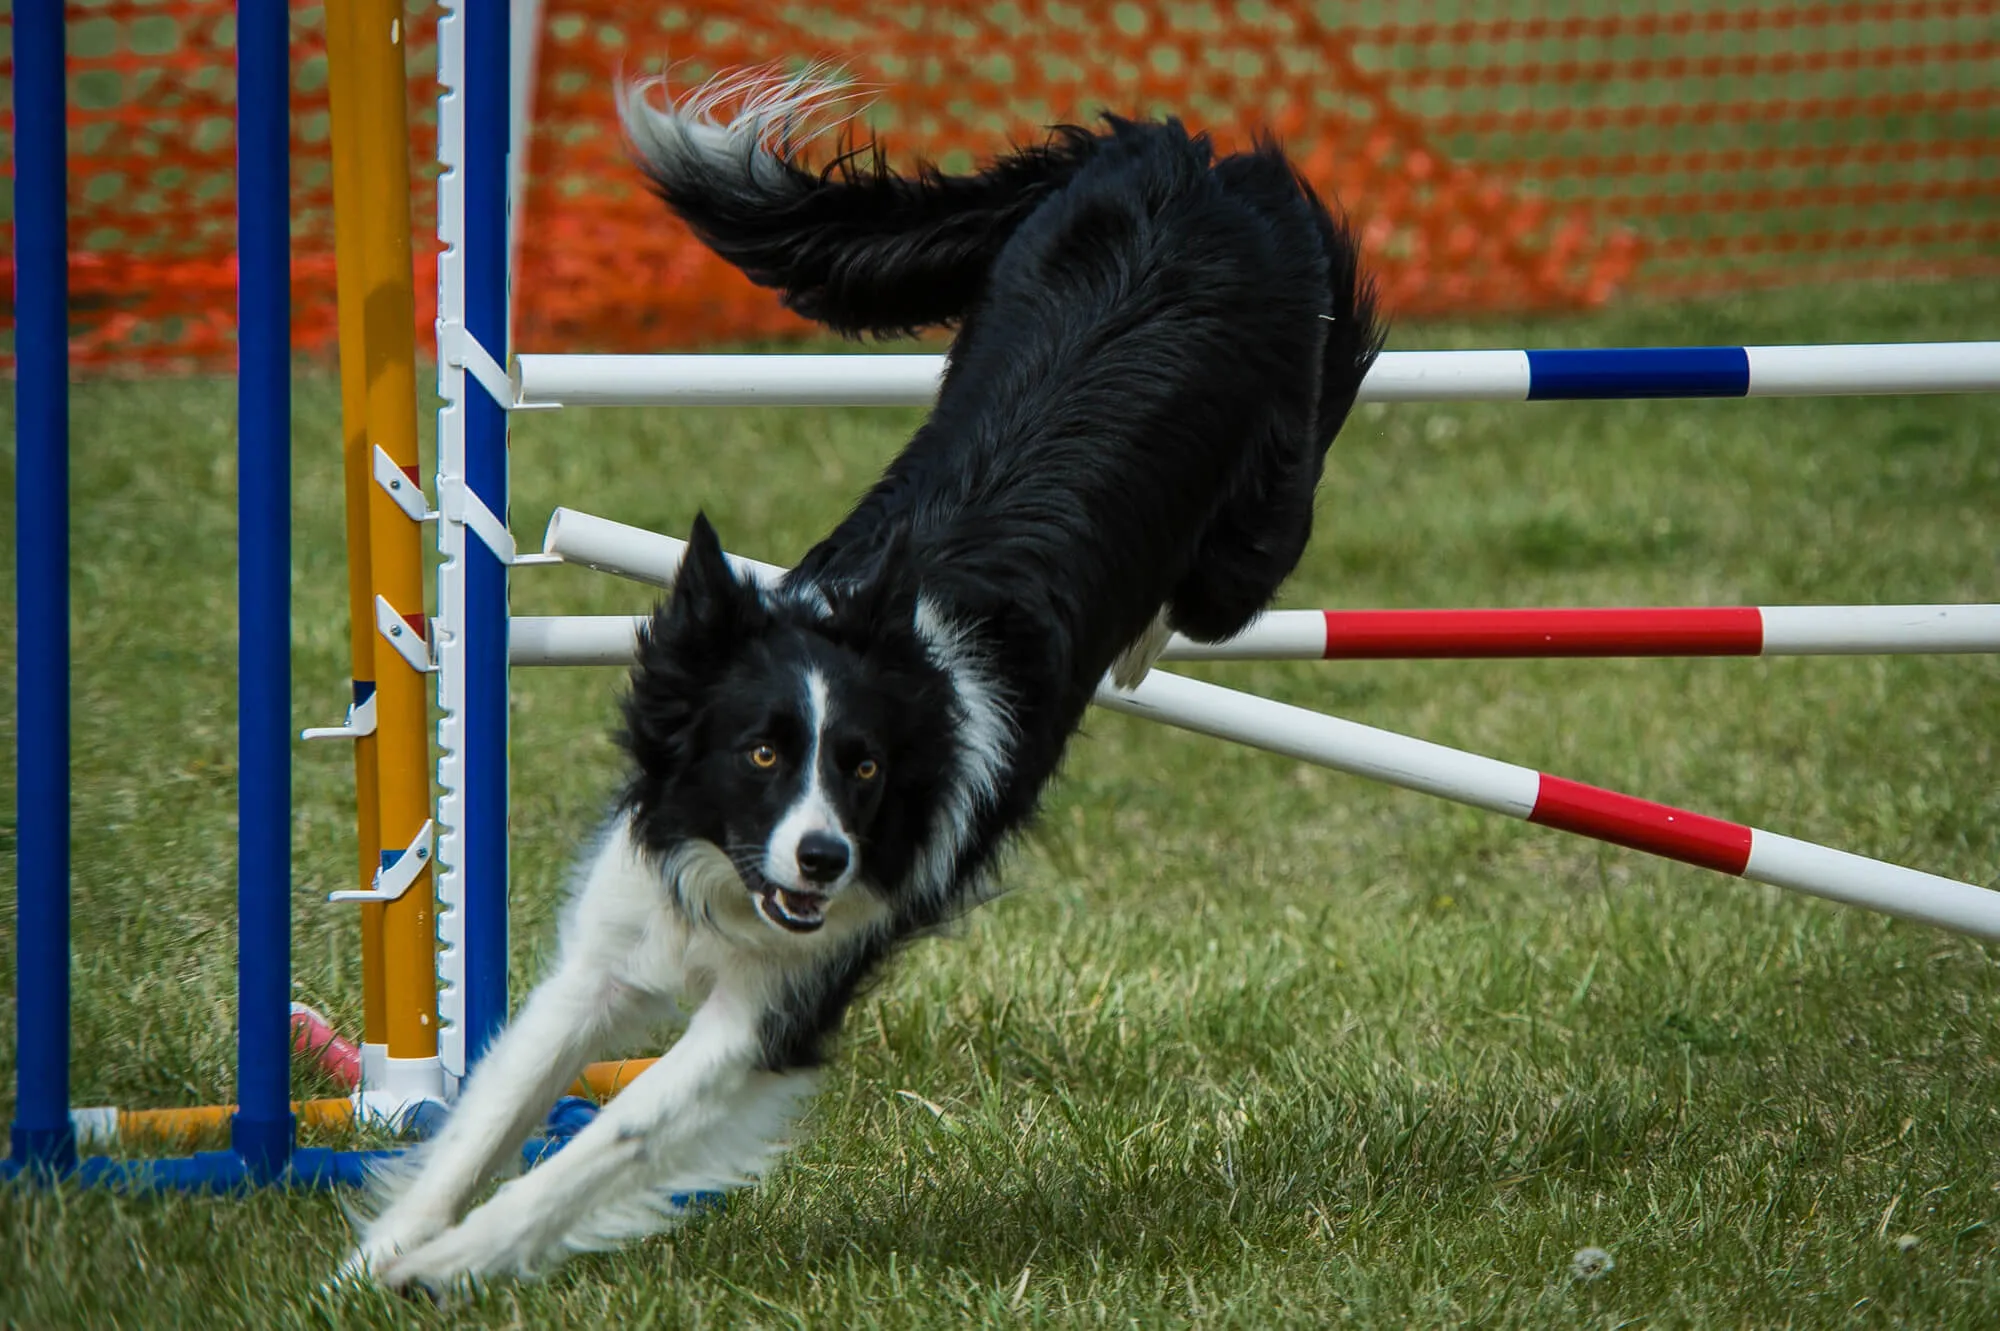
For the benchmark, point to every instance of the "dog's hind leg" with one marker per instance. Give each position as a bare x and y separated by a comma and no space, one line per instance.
1142,652
567,1018
1256,538
1250,547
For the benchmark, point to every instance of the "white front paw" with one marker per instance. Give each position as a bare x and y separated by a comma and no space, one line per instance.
387,1236
499,1238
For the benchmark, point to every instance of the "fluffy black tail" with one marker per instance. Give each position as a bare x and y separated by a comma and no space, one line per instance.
851,246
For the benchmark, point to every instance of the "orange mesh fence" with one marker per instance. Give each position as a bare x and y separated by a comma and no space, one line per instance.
152,181
957,81
1555,161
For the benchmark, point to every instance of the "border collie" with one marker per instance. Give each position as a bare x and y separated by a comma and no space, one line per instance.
1155,348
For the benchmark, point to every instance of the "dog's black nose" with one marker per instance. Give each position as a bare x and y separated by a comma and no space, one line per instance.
822,857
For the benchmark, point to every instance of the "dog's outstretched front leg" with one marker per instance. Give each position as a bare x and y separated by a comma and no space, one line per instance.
617,967
684,1122
539,1053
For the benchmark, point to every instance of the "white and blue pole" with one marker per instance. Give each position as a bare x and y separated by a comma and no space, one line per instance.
1397,376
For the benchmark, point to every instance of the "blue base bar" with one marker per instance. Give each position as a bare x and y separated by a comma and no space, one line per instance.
216,1172
310,1168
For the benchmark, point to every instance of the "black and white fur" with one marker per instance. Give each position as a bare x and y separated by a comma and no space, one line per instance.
1155,350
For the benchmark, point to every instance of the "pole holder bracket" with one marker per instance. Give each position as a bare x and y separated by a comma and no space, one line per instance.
401,487
461,350
395,876
408,641
360,723
458,503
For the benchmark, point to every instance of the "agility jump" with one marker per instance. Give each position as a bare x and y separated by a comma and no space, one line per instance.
436,985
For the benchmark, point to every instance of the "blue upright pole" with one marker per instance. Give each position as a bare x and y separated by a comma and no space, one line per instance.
487,110
41,1137
262,1129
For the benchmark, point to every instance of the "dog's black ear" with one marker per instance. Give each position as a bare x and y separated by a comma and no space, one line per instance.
708,599
684,648
704,584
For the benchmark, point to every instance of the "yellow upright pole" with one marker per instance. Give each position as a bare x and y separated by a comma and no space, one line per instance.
380,216
351,288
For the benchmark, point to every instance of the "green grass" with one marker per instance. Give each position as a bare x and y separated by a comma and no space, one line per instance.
1251,1043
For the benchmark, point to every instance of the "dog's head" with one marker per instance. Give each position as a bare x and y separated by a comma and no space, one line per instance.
803,735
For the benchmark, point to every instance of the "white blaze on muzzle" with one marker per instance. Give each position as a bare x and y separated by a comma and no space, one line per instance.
810,855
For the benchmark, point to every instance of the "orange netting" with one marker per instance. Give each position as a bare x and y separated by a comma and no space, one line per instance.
1496,164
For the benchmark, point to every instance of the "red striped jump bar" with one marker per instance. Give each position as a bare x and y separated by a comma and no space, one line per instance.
1744,630
1359,635
1522,792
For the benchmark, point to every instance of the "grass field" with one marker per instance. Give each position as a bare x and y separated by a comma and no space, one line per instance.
1250,1044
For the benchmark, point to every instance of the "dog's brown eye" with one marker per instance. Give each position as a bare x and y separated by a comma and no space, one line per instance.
868,770
764,756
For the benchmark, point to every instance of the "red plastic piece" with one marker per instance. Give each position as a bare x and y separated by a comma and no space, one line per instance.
1360,635
1660,829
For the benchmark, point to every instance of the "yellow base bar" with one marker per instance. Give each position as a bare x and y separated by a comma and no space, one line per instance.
601,1081
179,1124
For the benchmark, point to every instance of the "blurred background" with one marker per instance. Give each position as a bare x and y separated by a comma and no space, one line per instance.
1502,158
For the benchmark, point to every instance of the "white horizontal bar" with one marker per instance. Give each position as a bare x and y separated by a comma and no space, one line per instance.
1275,635
1346,746
630,552
1398,376
1857,880
593,640
1859,630
1447,376
728,381
572,640
649,557
912,380
1889,367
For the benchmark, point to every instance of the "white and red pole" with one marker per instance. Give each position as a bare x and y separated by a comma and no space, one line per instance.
1746,630
1344,635
1440,635
1522,792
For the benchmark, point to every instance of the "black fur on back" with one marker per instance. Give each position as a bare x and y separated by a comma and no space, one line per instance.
1156,349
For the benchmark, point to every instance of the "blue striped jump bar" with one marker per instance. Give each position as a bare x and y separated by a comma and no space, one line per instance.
1399,376
1684,372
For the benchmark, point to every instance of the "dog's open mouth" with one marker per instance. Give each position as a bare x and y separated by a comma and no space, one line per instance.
790,909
